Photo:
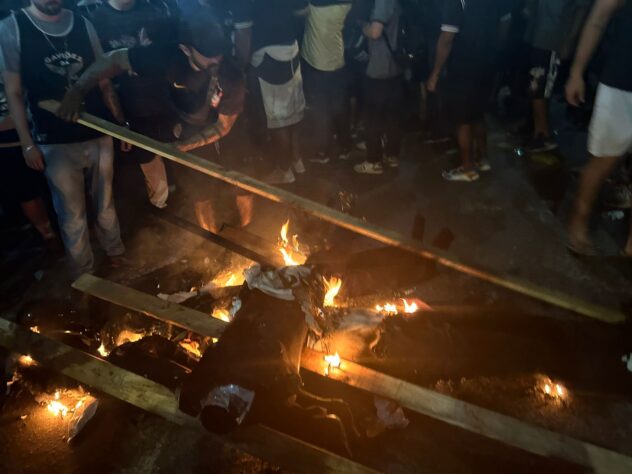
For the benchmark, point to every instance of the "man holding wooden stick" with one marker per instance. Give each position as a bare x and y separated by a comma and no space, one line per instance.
206,91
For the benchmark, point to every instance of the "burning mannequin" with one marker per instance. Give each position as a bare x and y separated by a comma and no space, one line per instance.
203,91
252,375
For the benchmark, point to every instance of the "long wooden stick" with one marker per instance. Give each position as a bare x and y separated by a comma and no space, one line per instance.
150,396
421,400
345,221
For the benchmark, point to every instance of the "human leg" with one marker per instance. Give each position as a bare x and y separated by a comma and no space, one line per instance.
101,175
35,212
64,171
156,181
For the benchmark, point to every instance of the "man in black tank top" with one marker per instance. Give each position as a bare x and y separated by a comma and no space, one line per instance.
610,134
43,51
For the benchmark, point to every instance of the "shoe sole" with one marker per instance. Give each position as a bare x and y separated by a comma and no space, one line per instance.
461,180
369,172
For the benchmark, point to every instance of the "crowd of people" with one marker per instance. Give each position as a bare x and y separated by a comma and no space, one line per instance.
184,71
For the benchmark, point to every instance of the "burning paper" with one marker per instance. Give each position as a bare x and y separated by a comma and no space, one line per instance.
290,250
26,361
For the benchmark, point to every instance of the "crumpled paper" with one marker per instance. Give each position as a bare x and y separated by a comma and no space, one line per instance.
389,416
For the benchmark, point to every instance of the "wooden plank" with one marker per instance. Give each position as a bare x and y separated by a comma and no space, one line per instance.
455,412
260,441
149,305
354,224
470,417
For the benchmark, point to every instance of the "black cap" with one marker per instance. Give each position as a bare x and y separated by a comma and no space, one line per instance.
202,31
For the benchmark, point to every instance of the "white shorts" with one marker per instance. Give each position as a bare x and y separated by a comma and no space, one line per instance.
610,132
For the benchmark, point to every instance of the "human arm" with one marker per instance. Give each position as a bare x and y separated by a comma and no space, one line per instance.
598,20
451,20
210,134
106,67
373,30
444,48
15,99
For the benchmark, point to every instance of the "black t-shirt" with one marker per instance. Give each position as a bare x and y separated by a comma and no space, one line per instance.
618,70
140,25
274,21
476,24
195,95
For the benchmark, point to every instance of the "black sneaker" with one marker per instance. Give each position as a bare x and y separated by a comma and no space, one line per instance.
540,144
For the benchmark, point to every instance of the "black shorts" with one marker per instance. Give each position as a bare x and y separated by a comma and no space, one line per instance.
466,95
18,182
543,69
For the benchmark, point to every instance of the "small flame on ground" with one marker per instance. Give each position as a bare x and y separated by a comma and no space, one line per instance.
56,407
228,278
222,313
410,308
290,251
554,390
103,352
333,286
388,309
59,407
35,329
333,362
26,360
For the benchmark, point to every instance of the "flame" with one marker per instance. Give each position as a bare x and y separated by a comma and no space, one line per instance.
127,335
35,329
26,360
103,352
554,390
333,288
228,278
192,347
60,405
333,362
389,309
410,307
222,313
290,251
56,407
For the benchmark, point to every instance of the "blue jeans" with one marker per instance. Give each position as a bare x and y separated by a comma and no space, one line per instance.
71,168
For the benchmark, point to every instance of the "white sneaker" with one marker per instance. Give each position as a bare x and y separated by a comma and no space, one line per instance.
366,167
344,156
460,174
361,145
320,158
483,165
278,176
299,166
391,161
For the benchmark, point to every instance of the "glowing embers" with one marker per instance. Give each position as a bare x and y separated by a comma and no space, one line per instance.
332,288
333,362
290,249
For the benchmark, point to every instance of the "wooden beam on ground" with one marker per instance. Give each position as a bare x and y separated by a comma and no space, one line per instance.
260,441
354,224
149,305
455,412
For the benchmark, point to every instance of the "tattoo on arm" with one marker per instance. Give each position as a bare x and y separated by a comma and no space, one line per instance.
106,67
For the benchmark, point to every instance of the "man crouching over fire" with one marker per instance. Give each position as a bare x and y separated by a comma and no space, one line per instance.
204,92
